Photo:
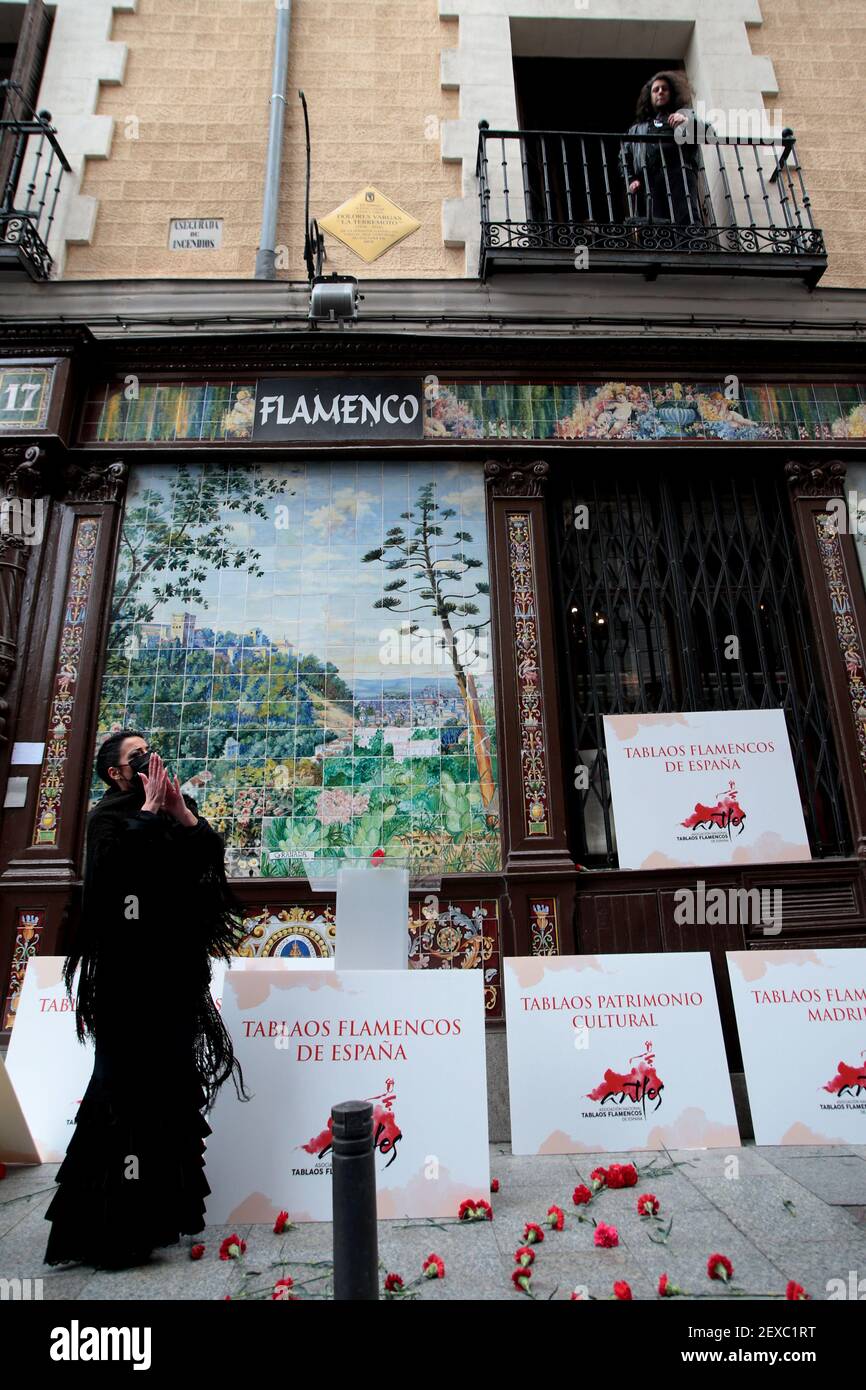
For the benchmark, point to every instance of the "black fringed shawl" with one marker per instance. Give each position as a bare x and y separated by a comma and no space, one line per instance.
156,908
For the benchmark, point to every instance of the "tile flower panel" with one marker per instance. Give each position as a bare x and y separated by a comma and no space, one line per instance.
308,647
614,410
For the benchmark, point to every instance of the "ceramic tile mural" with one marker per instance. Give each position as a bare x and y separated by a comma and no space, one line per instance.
615,410
309,648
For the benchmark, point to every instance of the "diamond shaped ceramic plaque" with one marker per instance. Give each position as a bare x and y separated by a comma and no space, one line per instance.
369,224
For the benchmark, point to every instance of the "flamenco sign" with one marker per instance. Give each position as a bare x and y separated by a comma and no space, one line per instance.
801,1016
613,1053
310,1040
710,787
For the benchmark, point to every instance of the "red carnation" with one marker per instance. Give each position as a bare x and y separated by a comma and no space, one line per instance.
581,1194
494,1184
524,1256
196,1252
475,1209
719,1267
281,1290
434,1267
393,1283
795,1292
555,1218
532,1233
577,1297
667,1288
621,1290
606,1236
615,1177
485,1209
629,1175
232,1248
598,1177
647,1204
281,1223
520,1279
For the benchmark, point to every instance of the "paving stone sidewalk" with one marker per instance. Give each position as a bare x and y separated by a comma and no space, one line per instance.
791,1213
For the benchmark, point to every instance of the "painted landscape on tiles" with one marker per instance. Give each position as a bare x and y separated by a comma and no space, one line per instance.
309,647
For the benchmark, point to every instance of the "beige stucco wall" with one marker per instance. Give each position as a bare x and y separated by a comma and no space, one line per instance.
197,83
818,51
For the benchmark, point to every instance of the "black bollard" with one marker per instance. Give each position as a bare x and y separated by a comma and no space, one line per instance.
356,1243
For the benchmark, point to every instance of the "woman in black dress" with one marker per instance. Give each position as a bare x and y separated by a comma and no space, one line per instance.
156,908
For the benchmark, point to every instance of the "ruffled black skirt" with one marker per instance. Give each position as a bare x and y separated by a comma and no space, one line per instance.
133,1177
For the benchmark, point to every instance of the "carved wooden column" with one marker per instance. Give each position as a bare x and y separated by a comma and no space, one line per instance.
54,692
836,598
537,861
23,483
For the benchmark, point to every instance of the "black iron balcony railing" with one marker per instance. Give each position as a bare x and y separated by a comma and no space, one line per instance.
32,166
648,203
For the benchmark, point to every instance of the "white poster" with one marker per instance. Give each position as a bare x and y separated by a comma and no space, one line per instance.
712,787
47,1065
801,1017
412,1042
616,1052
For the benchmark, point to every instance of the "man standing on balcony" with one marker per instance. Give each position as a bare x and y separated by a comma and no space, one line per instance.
662,172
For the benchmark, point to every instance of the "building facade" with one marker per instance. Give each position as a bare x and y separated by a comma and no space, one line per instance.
375,580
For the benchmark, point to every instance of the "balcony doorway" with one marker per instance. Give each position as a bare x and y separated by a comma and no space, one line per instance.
569,179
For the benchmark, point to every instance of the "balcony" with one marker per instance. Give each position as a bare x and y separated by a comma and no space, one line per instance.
32,166
645,203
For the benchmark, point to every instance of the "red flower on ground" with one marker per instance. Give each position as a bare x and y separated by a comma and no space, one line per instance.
795,1292
520,1279
532,1233
393,1283
719,1267
621,1290
555,1218
629,1175
281,1291
475,1209
615,1177
577,1297
434,1267
232,1248
494,1184
581,1194
525,1256
196,1252
606,1236
281,1223
598,1177
667,1288
647,1204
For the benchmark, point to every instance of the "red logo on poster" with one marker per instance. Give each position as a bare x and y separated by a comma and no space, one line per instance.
636,1087
386,1132
726,812
849,1081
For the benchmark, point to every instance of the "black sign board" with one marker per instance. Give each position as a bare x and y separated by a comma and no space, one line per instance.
334,408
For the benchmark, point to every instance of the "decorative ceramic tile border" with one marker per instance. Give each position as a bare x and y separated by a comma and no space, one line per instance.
450,935
543,928
29,925
533,748
830,551
65,679
641,411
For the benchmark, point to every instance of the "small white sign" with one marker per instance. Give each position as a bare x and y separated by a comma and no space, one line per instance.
16,792
616,1053
28,754
704,787
195,234
801,1017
